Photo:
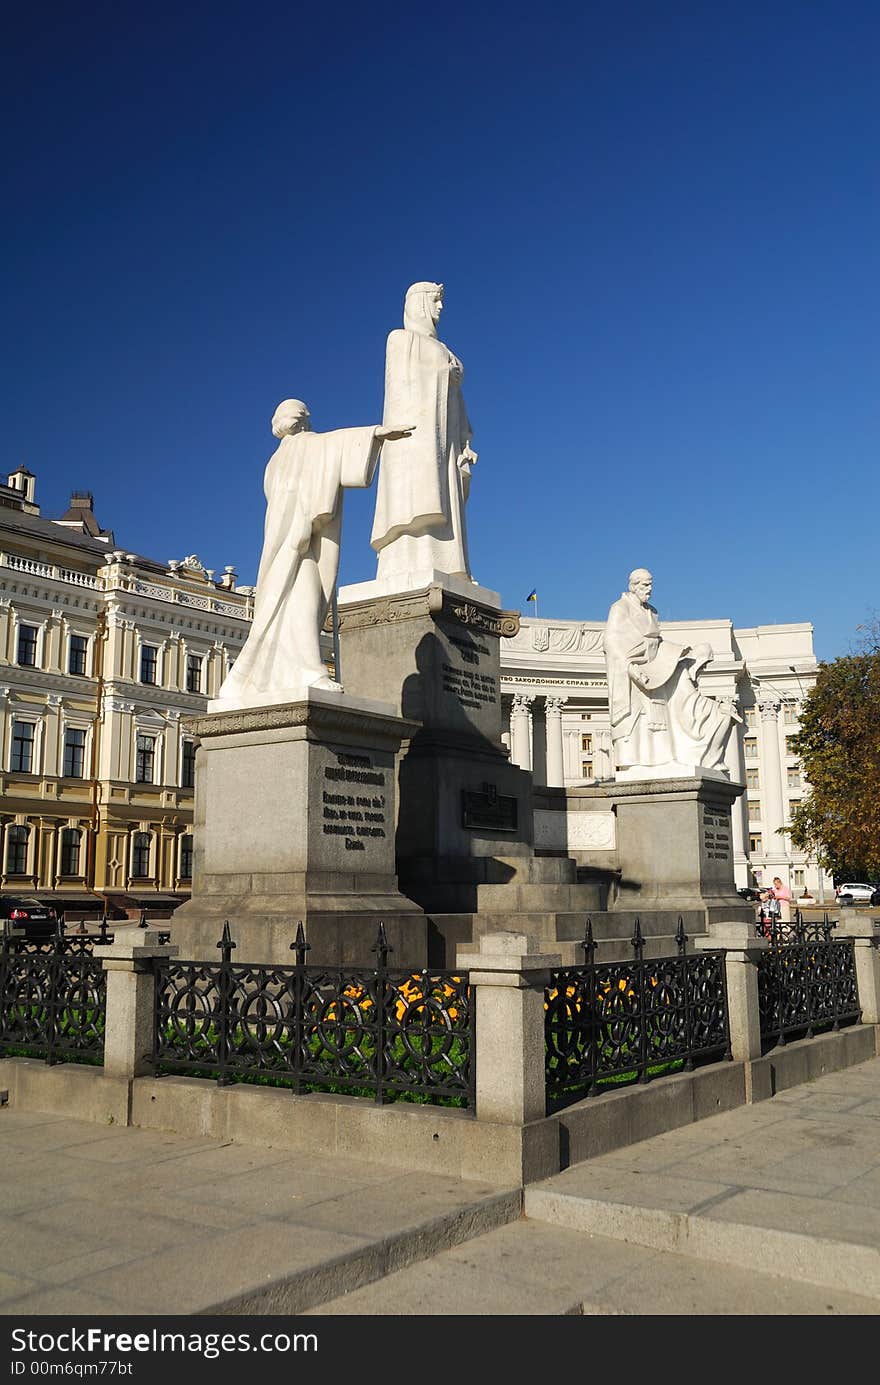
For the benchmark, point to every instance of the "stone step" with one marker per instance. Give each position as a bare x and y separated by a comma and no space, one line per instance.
534,1268
519,898
831,1245
611,950
537,870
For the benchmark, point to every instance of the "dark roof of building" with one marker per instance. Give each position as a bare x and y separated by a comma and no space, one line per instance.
84,545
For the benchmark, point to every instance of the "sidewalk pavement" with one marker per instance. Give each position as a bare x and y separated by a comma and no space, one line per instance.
770,1209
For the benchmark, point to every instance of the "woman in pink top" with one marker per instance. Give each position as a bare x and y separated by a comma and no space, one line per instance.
783,894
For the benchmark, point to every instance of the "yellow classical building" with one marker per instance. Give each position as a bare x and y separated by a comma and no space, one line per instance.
102,652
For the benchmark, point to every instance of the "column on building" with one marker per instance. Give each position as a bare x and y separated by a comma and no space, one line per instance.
6,624
521,730
52,751
171,747
735,762
772,797
603,760
174,661
50,866
216,664
555,750
56,630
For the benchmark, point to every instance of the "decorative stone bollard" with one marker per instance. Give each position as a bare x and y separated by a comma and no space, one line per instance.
131,1000
509,976
742,952
865,935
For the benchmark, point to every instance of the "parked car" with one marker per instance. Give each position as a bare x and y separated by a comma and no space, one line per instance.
875,897
25,916
746,892
855,893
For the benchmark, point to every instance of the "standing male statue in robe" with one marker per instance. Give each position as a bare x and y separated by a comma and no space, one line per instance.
659,716
424,479
303,485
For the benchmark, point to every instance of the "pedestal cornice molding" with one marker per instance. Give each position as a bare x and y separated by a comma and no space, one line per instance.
432,601
318,716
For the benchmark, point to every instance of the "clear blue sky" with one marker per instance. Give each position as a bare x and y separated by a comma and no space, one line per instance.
657,222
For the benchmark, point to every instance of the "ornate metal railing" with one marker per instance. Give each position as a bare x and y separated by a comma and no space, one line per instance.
53,999
806,981
373,1032
609,1022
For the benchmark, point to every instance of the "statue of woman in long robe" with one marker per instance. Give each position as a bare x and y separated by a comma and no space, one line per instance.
304,481
424,478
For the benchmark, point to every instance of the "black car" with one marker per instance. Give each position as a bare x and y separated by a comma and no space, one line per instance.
875,897
747,892
25,916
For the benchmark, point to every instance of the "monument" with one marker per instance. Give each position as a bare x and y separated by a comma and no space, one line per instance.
424,480
662,725
385,792
425,636
673,795
295,782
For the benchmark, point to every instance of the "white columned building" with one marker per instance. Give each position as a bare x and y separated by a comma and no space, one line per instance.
556,696
773,810
555,756
521,730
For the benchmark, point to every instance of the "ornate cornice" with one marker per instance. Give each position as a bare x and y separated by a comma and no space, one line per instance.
434,601
321,717
504,624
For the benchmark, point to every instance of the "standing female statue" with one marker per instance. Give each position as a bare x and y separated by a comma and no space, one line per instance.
304,483
424,479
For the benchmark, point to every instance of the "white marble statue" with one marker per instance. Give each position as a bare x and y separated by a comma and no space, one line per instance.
661,723
303,484
424,478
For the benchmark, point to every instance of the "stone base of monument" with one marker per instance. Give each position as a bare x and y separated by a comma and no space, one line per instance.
433,652
663,845
294,822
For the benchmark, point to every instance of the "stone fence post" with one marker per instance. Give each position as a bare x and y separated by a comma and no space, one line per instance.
742,952
508,975
865,935
131,999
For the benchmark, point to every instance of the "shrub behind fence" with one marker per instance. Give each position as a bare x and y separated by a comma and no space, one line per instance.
612,1022
372,1032
53,999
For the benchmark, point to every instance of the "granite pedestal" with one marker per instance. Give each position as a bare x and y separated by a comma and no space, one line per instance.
664,846
294,820
433,652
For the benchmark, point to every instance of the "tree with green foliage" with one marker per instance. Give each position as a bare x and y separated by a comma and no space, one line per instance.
839,747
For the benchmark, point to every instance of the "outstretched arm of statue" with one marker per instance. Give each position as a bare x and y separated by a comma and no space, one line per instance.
391,434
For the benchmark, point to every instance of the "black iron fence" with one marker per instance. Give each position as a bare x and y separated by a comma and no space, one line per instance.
371,1032
608,1023
53,998
806,981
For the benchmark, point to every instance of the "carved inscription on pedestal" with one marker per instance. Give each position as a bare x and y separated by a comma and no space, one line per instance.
716,832
469,684
354,801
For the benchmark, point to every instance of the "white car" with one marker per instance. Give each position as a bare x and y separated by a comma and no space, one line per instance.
855,893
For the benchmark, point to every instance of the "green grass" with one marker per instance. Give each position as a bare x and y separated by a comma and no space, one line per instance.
283,1079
